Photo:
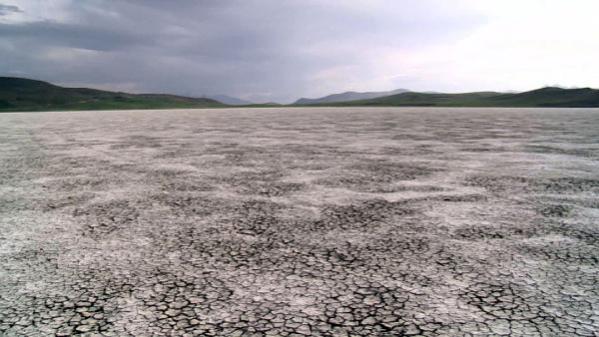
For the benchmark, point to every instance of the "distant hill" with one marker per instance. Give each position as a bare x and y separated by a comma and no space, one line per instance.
348,96
544,97
267,104
20,94
226,99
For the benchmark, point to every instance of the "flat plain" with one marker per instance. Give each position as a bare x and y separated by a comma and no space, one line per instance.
300,222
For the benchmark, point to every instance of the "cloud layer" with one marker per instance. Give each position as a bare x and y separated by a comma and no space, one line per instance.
269,50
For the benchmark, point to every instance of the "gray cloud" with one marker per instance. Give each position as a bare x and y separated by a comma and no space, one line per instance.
7,9
72,35
262,50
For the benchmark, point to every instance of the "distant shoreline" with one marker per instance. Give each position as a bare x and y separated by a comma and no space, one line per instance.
295,107
26,95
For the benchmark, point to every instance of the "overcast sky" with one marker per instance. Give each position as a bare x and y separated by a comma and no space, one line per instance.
279,50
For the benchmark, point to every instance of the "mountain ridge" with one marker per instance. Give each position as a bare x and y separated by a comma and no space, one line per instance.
21,94
542,97
348,96
229,100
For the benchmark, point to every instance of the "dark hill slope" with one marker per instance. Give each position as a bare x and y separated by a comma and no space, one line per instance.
348,96
545,97
551,97
19,94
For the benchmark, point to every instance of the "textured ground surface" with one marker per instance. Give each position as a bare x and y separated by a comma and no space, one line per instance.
298,222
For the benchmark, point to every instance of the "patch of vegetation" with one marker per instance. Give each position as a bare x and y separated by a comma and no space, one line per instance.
19,94
544,97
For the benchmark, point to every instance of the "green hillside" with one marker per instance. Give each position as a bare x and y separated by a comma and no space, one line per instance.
19,94
545,97
551,97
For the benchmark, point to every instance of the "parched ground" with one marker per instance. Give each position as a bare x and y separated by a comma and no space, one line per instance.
300,222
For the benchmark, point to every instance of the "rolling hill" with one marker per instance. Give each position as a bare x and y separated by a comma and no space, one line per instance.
544,97
20,94
348,96
229,100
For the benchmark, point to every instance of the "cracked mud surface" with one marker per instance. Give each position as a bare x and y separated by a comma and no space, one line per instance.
300,222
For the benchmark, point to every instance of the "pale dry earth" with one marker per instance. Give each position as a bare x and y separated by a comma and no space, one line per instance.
300,222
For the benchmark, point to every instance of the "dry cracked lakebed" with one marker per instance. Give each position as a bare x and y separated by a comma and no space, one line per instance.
300,222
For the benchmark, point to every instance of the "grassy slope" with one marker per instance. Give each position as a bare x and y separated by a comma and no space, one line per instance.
554,97
545,97
17,94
